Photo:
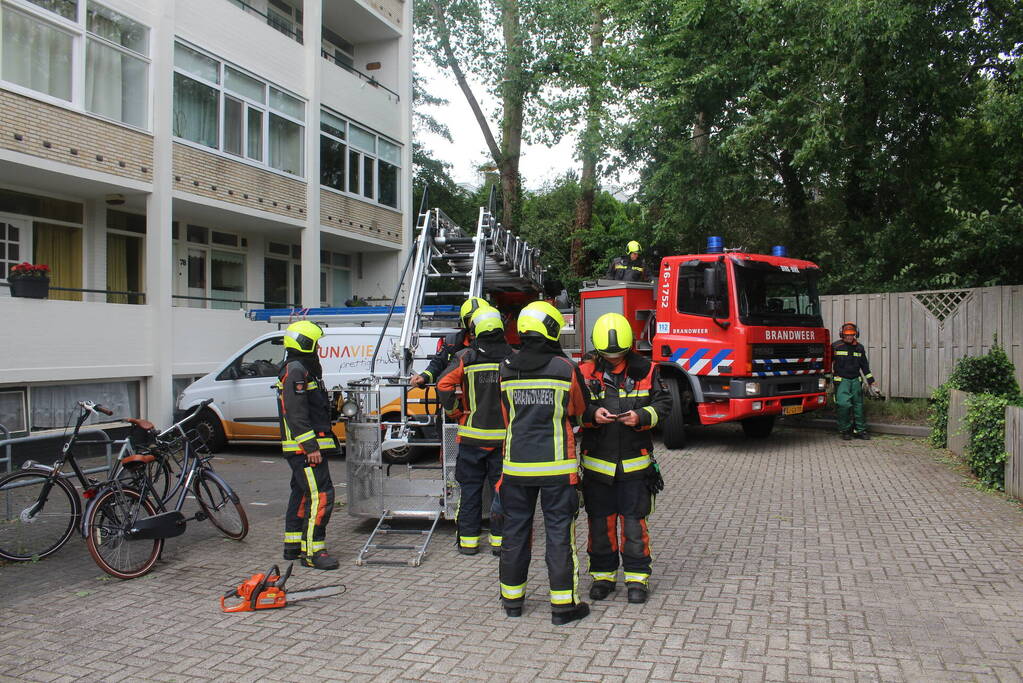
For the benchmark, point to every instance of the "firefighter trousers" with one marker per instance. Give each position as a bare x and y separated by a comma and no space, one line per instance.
475,467
849,399
617,514
310,505
560,506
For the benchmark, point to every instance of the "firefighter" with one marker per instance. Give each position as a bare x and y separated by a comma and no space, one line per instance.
451,344
481,431
306,439
620,476
630,267
850,360
540,390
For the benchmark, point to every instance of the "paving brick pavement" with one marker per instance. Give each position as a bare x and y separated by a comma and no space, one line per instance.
797,558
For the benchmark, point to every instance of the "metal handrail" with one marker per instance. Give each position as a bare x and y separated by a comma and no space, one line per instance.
105,440
294,35
366,77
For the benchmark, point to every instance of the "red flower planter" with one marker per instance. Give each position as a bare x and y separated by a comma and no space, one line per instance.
30,287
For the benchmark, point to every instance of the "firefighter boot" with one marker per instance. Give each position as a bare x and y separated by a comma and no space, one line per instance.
862,435
320,560
846,436
575,614
601,589
637,593
292,552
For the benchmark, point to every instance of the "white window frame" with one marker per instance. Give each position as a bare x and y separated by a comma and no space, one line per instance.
264,107
349,148
180,250
80,38
24,241
328,268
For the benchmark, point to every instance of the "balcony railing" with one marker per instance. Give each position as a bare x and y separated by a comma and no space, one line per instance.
271,20
351,69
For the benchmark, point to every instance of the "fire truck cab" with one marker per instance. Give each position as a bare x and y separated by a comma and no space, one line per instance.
737,336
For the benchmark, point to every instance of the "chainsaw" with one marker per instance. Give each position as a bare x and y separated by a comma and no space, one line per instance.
266,591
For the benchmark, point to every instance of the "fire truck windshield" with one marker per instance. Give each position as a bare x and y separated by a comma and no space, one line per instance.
769,295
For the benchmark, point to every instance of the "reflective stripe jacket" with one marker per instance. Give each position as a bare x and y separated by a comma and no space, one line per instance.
849,359
615,450
481,420
624,268
446,350
539,449
304,410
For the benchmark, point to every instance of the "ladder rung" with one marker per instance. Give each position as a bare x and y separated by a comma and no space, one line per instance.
438,294
389,546
449,275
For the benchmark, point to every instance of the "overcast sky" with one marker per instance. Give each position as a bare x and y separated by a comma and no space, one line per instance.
539,163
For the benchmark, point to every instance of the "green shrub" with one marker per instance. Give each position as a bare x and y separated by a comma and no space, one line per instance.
992,373
985,418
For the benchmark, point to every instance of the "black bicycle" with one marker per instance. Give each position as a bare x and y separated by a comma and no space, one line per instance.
40,508
127,523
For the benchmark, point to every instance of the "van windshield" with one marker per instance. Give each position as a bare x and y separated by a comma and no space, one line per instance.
769,295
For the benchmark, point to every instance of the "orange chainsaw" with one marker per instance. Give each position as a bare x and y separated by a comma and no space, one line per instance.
266,591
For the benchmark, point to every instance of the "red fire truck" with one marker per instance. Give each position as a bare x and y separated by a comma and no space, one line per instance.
738,336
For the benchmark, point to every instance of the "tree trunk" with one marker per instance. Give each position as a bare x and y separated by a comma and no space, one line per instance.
701,139
590,149
513,89
795,199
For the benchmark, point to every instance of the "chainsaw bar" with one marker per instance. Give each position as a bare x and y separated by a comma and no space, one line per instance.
311,593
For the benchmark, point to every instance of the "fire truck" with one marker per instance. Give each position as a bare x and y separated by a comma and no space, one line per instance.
737,336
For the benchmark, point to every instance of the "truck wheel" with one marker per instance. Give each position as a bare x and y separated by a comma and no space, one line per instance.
674,430
758,427
208,425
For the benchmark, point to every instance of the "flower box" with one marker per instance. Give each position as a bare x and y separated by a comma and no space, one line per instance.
29,281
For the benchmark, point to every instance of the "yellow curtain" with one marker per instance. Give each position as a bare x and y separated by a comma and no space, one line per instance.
117,268
60,248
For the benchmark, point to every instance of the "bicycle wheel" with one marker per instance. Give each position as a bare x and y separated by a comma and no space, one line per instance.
106,527
32,527
221,505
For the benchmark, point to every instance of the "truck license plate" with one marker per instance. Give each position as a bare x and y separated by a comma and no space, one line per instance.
792,410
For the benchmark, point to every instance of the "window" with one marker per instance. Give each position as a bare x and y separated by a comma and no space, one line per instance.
14,410
691,296
54,406
262,360
211,269
337,49
125,257
39,53
223,108
357,161
769,295
10,247
285,18
335,278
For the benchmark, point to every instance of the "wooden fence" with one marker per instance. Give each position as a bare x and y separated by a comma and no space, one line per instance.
958,433
1014,448
913,339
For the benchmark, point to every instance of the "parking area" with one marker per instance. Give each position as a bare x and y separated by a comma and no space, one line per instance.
799,557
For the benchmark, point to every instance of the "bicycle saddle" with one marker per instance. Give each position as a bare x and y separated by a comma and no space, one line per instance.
141,424
138,459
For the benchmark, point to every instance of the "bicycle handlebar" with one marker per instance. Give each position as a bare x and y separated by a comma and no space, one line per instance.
105,411
195,411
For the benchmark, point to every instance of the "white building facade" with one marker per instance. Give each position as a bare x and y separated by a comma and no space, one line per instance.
177,163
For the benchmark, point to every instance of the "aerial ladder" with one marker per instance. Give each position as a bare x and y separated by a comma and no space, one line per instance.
445,265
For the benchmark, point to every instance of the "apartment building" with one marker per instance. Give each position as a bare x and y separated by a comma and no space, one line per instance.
178,162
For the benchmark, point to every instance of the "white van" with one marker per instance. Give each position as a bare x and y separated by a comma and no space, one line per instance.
244,407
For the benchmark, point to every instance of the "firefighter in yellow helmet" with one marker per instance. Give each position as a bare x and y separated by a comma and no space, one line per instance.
541,389
629,268
475,371
306,439
620,476
450,344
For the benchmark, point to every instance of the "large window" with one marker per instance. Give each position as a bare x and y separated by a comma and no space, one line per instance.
41,53
358,161
335,278
211,268
219,106
769,295
125,257
692,297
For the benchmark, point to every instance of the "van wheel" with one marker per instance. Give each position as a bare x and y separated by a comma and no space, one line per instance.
208,425
674,431
758,427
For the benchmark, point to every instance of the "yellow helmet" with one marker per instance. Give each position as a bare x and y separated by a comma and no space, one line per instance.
302,336
486,319
612,334
469,307
543,318
633,247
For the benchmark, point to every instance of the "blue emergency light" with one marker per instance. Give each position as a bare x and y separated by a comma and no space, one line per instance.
715,245
779,250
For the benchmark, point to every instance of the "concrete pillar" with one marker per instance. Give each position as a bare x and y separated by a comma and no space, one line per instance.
95,246
159,214
312,30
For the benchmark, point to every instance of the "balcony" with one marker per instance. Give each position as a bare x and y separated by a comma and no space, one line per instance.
276,18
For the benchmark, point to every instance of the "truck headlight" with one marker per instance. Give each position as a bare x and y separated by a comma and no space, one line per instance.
822,383
752,388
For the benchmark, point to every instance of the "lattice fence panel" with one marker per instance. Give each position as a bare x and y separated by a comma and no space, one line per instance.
942,304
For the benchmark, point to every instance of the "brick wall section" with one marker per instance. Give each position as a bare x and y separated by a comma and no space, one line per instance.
213,176
393,10
353,215
50,132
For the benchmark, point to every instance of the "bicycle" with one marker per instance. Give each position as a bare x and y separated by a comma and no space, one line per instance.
40,508
127,523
